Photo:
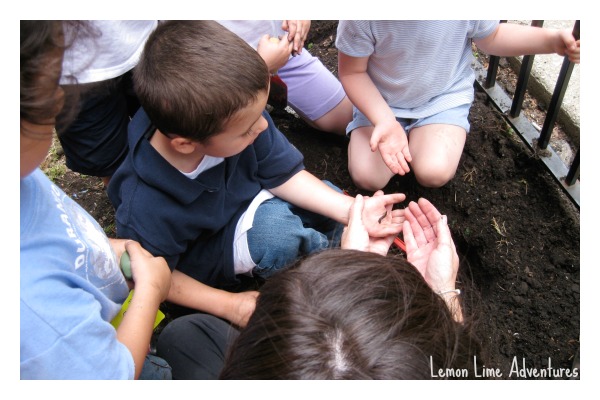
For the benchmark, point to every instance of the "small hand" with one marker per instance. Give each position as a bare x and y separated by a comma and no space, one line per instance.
275,52
118,246
569,46
355,235
245,303
147,270
391,141
378,206
297,33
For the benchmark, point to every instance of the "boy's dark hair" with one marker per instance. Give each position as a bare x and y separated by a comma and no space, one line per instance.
194,75
346,314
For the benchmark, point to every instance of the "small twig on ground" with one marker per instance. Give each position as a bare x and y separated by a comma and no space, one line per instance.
500,229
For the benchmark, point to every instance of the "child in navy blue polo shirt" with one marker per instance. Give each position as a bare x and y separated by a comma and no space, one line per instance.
211,184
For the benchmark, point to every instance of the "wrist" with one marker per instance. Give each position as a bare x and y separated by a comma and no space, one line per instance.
388,122
448,292
230,308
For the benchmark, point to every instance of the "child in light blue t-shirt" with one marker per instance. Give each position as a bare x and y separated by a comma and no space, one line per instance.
411,83
71,286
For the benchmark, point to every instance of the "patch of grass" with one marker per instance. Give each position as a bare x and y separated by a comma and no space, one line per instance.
110,230
55,171
509,131
54,165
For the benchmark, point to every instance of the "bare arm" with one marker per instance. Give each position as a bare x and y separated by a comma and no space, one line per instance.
515,40
234,307
388,135
152,279
361,90
308,192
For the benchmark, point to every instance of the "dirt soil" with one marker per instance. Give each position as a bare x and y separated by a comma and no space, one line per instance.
517,234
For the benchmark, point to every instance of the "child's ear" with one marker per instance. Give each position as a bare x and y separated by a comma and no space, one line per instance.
183,145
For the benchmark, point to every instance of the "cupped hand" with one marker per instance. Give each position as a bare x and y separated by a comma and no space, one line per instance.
429,245
391,141
355,235
442,266
377,209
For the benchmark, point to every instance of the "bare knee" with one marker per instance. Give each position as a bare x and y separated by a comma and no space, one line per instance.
367,179
434,177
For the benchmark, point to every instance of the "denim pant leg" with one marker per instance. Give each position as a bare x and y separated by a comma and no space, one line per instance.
155,368
282,232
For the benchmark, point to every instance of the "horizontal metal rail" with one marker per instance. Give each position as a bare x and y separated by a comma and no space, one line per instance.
568,178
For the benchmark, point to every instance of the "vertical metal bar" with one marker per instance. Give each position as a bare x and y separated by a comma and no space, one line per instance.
573,174
557,97
492,71
490,79
524,74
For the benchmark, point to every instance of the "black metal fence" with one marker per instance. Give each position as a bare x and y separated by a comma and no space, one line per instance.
566,176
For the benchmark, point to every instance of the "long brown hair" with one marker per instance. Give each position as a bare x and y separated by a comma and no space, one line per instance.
345,314
42,47
43,44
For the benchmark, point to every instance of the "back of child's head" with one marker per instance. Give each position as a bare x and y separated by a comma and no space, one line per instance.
194,75
42,46
345,314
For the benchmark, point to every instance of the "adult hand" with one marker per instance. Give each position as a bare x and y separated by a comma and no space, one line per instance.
355,235
429,245
275,52
376,211
391,141
149,271
297,33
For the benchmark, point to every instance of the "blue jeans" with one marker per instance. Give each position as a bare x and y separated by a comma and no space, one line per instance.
282,232
155,368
